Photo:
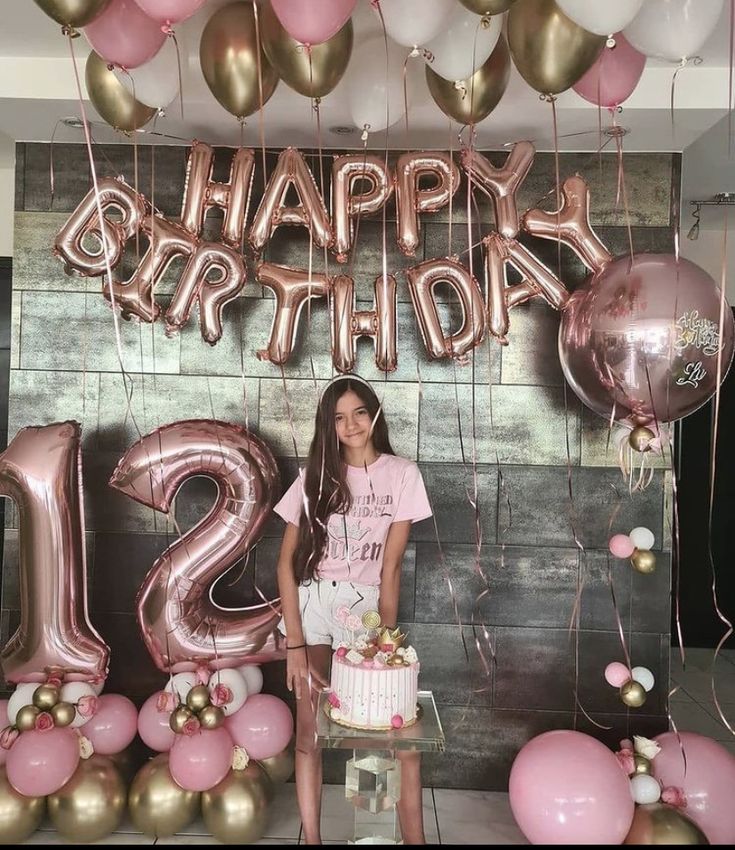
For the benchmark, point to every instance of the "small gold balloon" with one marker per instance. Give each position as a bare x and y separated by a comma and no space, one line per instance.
45,697
197,698
487,7
279,768
236,810
20,816
371,620
63,713
178,718
158,806
111,98
25,719
642,764
91,804
633,694
643,561
73,13
657,823
640,438
211,717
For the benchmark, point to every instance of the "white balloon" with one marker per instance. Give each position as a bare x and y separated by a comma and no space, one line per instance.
253,676
644,677
673,29
72,692
463,44
413,23
97,687
645,789
22,695
157,82
642,537
235,681
180,684
602,17
375,97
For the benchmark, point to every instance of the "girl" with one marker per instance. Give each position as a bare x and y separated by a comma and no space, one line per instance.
349,513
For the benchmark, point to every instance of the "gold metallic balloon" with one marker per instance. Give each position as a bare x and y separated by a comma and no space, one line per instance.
229,59
642,764
643,561
91,804
25,719
279,768
487,7
211,717
236,810
550,51
640,438
111,99
197,698
633,694
63,713
158,806
312,71
657,823
73,13
20,816
475,98
178,718
45,697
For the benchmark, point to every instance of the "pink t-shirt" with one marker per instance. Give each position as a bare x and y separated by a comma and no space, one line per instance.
390,490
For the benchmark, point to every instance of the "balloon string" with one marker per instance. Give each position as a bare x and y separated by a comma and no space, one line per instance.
51,172
731,60
622,188
260,88
172,35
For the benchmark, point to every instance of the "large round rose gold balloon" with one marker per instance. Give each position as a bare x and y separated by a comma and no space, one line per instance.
641,341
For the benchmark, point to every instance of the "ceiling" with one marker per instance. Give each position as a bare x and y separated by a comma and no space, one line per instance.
37,89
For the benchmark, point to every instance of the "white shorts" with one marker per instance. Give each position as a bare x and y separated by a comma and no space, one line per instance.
319,602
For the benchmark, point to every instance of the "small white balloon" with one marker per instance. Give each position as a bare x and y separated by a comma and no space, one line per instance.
156,83
464,44
601,16
642,537
72,692
22,695
97,687
253,676
180,684
234,681
673,29
644,677
645,789
413,23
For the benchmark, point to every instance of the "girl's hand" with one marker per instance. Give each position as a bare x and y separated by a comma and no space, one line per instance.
298,672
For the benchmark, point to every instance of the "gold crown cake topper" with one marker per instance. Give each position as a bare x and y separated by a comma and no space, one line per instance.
390,639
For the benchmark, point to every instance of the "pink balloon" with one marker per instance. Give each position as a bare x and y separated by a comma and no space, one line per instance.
614,76
313,21
3,724
263,726
169,11
198,762
153,725
113,726
616,674
707,782
568,788
124,35
40,763
621,546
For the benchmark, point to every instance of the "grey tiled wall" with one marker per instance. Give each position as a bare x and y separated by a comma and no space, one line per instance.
64,364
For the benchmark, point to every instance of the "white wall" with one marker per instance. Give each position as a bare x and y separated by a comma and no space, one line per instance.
707,252
7,194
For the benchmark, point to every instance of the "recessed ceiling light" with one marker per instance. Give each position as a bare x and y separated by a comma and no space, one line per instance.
342,130
73,121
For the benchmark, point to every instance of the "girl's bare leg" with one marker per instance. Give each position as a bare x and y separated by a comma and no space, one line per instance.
410,806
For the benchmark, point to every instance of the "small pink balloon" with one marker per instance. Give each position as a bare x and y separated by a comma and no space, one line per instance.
153,725
616,674
263,726
614,76
39,763
621,546
200,761
3,724
169,11
124,35
113,726
313,21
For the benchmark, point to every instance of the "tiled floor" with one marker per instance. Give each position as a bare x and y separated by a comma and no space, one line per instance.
473,817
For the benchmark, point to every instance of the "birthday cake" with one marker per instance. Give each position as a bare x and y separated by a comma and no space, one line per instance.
374,682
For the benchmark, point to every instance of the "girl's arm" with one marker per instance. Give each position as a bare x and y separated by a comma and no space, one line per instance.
287,587
390,577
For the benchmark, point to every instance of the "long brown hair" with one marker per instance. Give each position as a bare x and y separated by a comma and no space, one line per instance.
325,478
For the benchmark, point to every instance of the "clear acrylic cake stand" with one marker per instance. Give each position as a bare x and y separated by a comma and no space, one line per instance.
373,775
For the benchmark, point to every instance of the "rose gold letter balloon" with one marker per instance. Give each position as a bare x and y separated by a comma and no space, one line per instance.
644,339
181,626
348,172
421,282
291,170
84,222
349,324
41,472
411,200
292,288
